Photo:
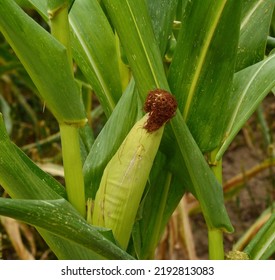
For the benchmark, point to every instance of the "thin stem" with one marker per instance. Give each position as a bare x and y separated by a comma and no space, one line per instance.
215,236
73,167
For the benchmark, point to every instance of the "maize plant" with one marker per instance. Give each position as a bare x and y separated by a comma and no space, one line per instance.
176,80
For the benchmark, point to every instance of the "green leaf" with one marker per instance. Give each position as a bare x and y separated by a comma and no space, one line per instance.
24,4
262,246
250,87
65,249
146,232
33,184
6,110
161,197
94,50
42,58
254,29
111,136
162,13
41,7
199,179
61,219
56,4
139,43
202,68
21,178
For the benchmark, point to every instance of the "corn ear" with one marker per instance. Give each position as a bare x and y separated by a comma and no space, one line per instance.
123,181
125,176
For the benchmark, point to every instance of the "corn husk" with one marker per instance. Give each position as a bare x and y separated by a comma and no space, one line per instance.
124,180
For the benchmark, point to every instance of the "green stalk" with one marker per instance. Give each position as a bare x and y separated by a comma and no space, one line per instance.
73,167
58,15
60,27
215,236
215,244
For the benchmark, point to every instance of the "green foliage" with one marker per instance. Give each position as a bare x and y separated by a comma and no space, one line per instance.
94,50
63,98
252,42
262,246
203,67
250,86
213,62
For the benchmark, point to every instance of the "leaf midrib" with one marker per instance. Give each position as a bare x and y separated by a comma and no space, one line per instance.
103,85
249,14
143,46
201,60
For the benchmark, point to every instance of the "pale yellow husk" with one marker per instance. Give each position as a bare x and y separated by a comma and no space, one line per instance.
124,180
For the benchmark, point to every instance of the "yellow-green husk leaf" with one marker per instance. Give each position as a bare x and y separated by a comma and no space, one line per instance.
124,180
